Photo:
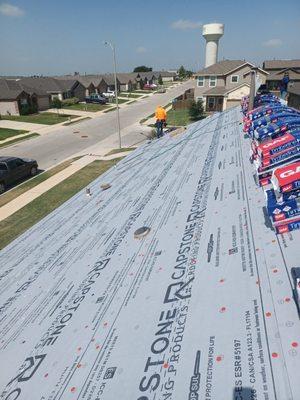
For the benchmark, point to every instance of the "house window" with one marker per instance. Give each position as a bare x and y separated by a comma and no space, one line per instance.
212,81
201,81
234,78
211,103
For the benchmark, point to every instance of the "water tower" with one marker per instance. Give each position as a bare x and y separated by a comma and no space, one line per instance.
212,33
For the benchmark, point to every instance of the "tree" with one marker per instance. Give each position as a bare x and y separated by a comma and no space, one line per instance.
142,68
182,72
196,110
160,80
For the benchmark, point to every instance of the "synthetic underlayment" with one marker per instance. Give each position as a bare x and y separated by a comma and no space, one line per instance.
200,308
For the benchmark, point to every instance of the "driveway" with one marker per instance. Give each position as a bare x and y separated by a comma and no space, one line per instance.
64,141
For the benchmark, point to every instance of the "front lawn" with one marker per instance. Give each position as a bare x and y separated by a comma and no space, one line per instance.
86,107
33,212
130,95
7,133
178,117
47,118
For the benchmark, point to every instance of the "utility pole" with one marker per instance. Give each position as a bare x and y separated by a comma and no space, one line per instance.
252,89
116,90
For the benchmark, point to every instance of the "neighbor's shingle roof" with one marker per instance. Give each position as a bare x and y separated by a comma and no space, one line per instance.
9,89
294,88
281,64
222,67
47,84
293,75
218,90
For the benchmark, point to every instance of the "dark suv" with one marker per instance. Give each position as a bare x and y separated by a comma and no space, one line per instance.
13,169
96,98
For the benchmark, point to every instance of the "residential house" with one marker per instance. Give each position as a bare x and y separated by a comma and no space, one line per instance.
56,88
223,84
109,80
16,99
166,76
277,69
128,81
294,95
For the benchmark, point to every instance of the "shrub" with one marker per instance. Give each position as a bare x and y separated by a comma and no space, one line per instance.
196,110
56,103
70,101
28,109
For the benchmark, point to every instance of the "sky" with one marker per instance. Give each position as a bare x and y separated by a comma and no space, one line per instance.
63,36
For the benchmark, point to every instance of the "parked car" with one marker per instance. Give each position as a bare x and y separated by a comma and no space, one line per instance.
13,169
150,86
109,93
96,98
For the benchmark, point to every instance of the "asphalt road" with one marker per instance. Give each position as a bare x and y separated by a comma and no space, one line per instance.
62,143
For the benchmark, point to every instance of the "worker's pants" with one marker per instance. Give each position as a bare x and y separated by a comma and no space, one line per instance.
159,128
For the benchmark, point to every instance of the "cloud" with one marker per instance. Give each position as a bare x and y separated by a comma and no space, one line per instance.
185,24
141,49
10,10
272,43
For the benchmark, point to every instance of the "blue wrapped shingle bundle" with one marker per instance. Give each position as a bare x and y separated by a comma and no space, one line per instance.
283,200
275,129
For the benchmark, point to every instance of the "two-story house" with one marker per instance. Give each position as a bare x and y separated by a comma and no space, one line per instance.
222,85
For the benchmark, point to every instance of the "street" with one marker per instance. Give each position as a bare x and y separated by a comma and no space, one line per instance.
54,147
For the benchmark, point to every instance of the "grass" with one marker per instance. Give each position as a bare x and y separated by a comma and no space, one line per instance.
47,118
7,133
19,139
86,107
115,151
76,122
130,95
142,91
178,117
31,183
33,212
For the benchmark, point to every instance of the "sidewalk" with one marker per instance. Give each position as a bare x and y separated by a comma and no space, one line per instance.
20,125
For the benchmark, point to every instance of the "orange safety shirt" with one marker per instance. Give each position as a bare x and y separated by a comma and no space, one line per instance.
160,113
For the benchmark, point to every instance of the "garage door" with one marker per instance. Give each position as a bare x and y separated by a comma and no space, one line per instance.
232,103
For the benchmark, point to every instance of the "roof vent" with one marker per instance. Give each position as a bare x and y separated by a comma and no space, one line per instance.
141,232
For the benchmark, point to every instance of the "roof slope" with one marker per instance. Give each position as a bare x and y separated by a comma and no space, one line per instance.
9,90
222,67
47,84
281,64
204,298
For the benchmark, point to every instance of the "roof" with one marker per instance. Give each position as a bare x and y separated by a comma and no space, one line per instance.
9,89
223,67
222,90
48,84
294,75
281,64
217,90
202,299
125,78
294,88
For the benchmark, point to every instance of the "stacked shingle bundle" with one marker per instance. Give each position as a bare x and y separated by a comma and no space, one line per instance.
274,130
283,199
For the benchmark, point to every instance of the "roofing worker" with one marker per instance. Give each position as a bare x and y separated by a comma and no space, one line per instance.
161,116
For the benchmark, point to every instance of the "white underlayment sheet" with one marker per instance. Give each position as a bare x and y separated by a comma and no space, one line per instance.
201,308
